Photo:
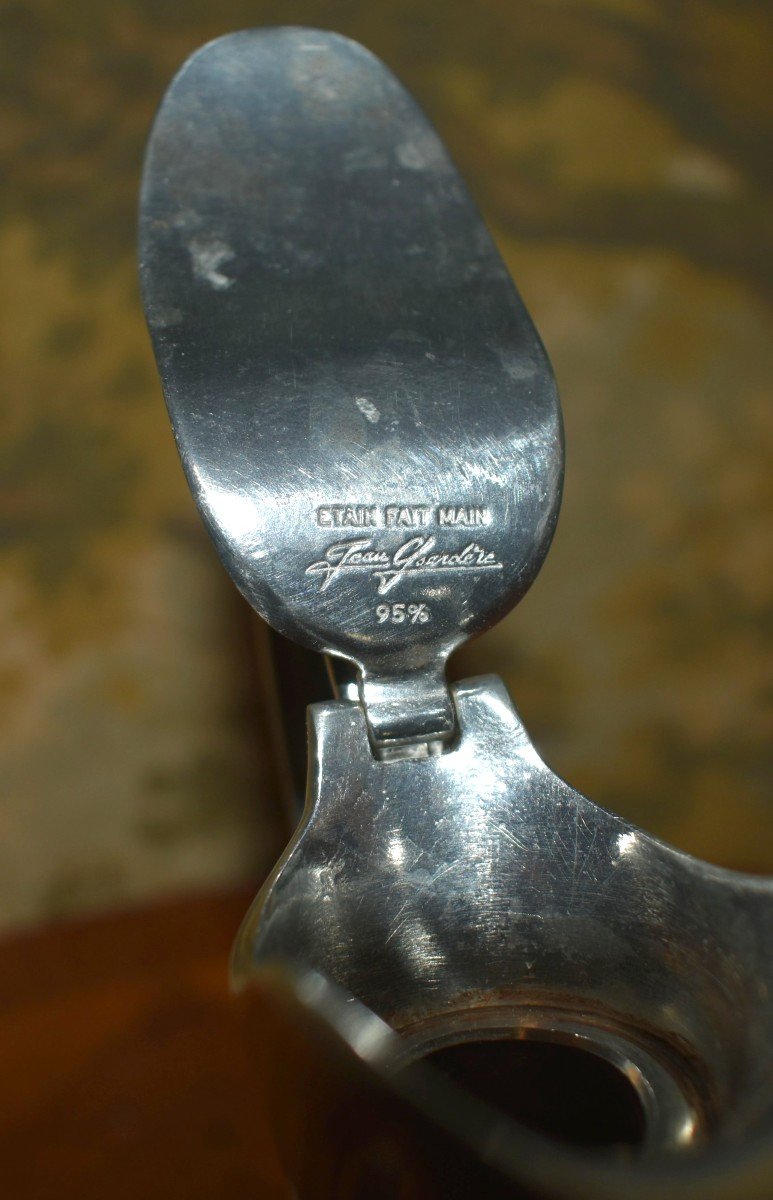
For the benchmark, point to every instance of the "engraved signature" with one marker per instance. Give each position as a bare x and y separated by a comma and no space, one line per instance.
415,557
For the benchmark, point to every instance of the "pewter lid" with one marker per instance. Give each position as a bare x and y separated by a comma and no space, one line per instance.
365,412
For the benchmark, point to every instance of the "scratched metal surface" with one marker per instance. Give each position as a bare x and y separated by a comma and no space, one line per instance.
364,410
475,892
616,150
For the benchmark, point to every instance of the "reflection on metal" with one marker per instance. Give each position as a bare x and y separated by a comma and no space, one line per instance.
364,409
371,430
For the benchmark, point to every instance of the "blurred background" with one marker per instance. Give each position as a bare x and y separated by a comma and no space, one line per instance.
620,152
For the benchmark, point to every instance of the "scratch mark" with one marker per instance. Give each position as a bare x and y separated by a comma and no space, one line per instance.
292,356
511,837
420,891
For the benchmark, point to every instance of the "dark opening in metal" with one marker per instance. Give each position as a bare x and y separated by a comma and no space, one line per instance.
559,1090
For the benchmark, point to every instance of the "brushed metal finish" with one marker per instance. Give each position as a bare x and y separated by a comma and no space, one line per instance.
365,412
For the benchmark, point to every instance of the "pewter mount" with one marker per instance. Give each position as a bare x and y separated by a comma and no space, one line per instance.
371,431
